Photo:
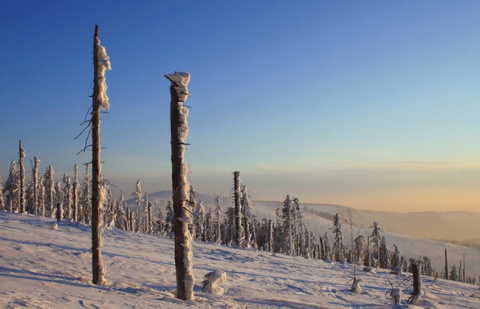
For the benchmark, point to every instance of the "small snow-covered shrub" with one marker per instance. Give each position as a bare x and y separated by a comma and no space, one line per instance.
369,269
212,280
356,288
397,270
397,295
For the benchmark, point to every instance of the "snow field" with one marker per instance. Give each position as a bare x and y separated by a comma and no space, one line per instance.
44,268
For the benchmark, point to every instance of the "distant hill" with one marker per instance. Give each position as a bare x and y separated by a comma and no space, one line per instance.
459,227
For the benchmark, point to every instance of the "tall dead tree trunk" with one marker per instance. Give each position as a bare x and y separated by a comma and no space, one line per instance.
179,131
417,283
35,185
238,208
21,154
99,101
446,265
75,194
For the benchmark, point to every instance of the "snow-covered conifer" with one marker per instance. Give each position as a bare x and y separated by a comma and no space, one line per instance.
121,218
41,199
169,219
49,184
338,244
218,220
149,223
11,188
246,214
308,242
138,196
427,269
453,273
326,242
358,250
75,194
35,180
395,259
287,211
67,192
199,222
376,239
366,260
58,201
86,196
384,255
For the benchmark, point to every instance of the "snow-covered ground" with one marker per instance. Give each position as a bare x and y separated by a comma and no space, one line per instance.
409,246
45,268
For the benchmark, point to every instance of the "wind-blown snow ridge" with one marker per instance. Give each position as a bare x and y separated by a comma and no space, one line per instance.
44,268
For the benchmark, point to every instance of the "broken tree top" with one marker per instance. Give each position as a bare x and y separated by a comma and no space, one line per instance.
180,82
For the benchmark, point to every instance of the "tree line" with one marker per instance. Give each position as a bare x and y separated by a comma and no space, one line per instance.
70,199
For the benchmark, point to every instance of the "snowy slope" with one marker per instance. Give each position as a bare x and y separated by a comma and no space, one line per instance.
44,268
409,246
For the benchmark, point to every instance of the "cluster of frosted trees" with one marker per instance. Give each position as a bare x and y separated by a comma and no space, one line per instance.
70,199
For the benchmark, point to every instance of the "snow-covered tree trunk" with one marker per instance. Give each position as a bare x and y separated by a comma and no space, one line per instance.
218,225
270,236
87,196
99,101
138,195
338,244
68,196
75,196
59,198
247,217
2,201
179,131
21,169
326,242
149,215
41,199
446,265
417,283
36,166
237,194
49,184
307,249
11,187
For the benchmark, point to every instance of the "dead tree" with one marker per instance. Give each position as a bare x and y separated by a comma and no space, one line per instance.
75,194
417,283
238,208
21,170
179,131
99,101
446,265
35,185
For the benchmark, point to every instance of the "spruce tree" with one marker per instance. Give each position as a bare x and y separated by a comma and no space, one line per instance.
11,188
338,244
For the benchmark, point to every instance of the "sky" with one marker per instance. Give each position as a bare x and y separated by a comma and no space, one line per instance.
369,104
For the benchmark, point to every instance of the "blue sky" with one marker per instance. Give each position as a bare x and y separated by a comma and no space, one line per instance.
371,104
